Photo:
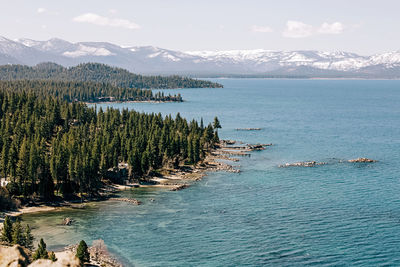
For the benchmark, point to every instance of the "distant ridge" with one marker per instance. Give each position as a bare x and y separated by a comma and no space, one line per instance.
248,63
99,73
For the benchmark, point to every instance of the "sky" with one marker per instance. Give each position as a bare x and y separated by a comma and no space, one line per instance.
364,27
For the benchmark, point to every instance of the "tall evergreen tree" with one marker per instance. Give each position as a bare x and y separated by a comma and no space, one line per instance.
82,252
28,238
6,233
17,234
216,124
41,252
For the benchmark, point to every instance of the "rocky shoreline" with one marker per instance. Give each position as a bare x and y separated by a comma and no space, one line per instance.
175,179
99,254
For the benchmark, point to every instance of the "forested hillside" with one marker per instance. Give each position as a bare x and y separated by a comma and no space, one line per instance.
49,145
85,91
99,73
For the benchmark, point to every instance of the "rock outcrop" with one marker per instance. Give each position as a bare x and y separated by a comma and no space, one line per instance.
18,256
66,258
14,256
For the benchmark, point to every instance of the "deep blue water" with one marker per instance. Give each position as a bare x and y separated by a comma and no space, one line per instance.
335,214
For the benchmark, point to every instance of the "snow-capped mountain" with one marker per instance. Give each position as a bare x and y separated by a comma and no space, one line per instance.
154,60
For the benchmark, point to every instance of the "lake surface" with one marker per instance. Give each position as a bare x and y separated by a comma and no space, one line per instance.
334,214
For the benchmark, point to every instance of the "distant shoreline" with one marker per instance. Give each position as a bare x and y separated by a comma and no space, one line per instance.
302,78
132,101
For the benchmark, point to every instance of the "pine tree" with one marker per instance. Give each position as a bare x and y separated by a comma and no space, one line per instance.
22,165
216,123
82,252
52,256
41,252
28,237
17,234
6,234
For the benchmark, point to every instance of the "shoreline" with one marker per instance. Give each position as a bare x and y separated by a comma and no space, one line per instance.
175,180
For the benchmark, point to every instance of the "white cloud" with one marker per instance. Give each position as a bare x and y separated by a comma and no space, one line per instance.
113,11
263,29
334,28
105,21
297,29
41,10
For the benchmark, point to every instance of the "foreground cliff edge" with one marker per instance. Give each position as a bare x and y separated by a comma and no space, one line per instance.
19,256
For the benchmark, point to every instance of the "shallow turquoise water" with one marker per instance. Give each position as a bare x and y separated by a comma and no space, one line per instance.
335,214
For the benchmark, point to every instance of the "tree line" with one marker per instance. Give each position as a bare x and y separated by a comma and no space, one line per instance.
85,91
101,73
50,146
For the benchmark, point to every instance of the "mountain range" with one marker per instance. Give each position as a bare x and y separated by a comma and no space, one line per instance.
247,63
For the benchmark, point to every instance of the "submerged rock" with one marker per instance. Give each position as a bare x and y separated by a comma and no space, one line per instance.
129,200
361,160
180,187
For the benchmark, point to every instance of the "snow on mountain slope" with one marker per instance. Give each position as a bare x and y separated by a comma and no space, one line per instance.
27,42
323,60
84,50
391,58
149,59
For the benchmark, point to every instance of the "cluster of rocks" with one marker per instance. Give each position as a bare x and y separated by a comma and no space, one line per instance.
315,163
233,153
125,199
99,254
257,147
227,142
248,129
364,160
302,164
219,166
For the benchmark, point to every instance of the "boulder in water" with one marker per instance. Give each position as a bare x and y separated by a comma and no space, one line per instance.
67,221
365,160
